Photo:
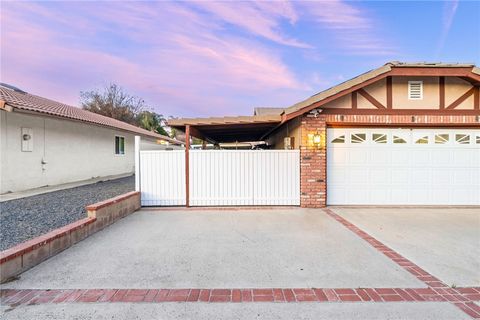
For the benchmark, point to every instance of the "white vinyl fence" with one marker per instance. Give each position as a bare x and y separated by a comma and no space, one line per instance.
162,178
244,177
220,177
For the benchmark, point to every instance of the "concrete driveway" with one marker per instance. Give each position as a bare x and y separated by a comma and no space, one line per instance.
443,241
295,248
373,263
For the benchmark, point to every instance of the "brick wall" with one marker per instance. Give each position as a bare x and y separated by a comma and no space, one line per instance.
313,162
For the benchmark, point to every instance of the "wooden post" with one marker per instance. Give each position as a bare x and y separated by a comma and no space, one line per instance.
187,165
441,92
389,93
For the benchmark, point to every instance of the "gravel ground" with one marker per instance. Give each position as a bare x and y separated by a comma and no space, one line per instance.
26,218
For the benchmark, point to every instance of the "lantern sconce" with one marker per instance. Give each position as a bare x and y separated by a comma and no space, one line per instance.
317,139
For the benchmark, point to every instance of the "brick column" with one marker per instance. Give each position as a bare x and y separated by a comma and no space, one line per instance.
313,162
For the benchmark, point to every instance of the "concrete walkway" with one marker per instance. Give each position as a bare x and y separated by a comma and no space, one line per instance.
265,311
47,189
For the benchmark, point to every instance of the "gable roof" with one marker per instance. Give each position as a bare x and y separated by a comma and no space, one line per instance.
395,68
29,102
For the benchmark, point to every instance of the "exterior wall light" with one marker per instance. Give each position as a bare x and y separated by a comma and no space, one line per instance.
317,139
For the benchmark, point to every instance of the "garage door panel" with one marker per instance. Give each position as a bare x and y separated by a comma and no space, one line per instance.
357,156
399,156
428,166
379,157
337,176
420,157
379,176
399,175
357,175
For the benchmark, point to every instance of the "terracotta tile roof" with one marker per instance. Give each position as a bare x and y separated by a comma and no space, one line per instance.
33,103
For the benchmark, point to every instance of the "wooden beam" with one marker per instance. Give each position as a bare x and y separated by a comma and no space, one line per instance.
409,112
187,165
432,71
354,100
371,99
464,97
476,99
389,93
441,92
194,132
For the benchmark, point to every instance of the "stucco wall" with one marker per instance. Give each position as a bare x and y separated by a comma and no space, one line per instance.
454,88
289,129
73,151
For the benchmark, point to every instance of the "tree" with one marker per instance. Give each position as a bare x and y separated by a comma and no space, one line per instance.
113,102
152,121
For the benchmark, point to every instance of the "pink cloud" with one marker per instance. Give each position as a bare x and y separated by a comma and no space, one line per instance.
188,64
354,29
259,18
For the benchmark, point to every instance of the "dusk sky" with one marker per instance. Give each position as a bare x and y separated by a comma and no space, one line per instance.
223,58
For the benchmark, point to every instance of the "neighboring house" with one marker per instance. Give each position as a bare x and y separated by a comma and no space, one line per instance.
44,142
402,134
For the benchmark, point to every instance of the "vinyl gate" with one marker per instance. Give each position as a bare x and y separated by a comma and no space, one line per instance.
162,178
220,177
244,177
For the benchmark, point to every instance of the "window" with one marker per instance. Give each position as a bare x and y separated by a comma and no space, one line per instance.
415,90
379,137
461,138
119,145
422,140
441,138
340,139
397,139
358,137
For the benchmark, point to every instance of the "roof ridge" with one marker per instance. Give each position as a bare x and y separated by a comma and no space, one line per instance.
35,103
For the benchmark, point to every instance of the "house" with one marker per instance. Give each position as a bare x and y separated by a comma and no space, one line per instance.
44,142
401,134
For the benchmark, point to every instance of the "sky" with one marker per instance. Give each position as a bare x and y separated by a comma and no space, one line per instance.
205,58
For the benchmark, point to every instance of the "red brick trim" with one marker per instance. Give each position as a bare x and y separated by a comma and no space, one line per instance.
111,201
463,297
42,240
16,297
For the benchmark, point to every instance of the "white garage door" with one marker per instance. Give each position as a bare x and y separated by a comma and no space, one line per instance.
403,166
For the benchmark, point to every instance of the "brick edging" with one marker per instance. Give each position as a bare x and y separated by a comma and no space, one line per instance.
105,203
433,283
37,296
15,260
42,240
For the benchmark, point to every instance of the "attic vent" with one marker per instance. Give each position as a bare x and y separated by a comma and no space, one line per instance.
415,90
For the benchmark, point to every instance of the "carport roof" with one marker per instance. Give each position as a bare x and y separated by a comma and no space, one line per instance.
229,129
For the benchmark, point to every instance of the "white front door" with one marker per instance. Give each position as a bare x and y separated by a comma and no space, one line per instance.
403,166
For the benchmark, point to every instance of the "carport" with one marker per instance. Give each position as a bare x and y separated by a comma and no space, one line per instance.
221,177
